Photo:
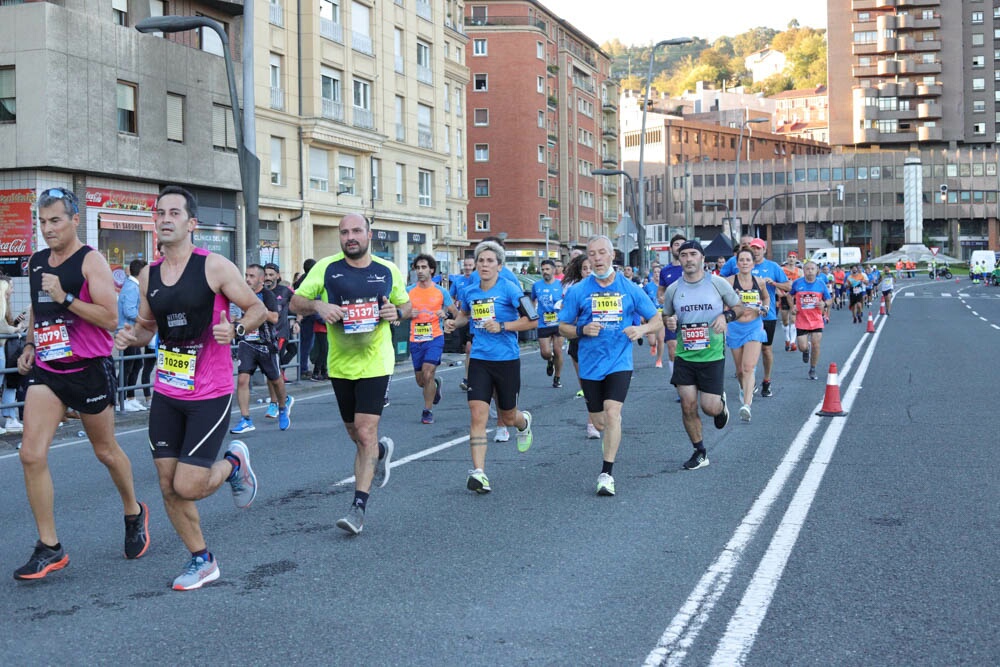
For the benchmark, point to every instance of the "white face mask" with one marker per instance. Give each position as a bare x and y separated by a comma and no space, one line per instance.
604,276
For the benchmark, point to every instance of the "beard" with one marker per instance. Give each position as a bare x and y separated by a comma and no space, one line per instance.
361,251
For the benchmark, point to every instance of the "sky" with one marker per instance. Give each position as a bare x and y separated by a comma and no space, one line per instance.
639,22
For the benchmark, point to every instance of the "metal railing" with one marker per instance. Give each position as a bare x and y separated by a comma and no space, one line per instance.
333,110
331,30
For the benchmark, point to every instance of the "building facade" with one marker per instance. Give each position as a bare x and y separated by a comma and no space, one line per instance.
106,119
542,114
803,113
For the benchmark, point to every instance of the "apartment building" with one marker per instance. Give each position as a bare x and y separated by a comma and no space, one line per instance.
543,114
89,104
909,74
803,113
360,108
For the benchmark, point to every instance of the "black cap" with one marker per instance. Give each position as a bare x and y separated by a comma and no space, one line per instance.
691,245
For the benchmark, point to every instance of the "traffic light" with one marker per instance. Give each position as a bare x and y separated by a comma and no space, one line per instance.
944,193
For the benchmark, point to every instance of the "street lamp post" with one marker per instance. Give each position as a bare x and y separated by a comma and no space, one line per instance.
547,222
736,181
248,161
639,236
640,225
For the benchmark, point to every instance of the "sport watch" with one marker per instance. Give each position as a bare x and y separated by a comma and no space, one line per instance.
68,301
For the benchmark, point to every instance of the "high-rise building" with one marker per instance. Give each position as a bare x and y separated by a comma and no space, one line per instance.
542,115
360,108
906,74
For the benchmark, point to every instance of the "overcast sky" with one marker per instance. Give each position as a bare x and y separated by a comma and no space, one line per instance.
649,21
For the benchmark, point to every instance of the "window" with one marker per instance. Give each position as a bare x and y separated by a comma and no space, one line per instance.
346,174
363,104
376,179
447,139
210,41
540,84
979,128
277,156
361,21
540,50
977,39
425,135
400,119
541,119
977,17
481,117
397,50
8,96
460,183
175,118
447,98
482,187
119,10
979,84
157,8
479,47
978,106
458,143
424,185
277,94
482,153
978,62
223,133
541,154
480,82
400,183
459,96
319,170
126,108
329,21
447,185
424,71
482,222
330,93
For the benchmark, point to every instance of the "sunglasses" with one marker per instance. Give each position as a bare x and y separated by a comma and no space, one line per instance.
66,195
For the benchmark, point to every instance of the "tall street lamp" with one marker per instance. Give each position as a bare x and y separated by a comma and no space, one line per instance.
547,223
640,225
248,160
639,235
736,181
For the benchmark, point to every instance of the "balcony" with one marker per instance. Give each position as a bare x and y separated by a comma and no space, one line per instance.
918,3
885,4
927,68
457,27
277,99
885,22
609,158
363,118
912,22
932,45
930,134
926,110
276,14
528,21
333,110
331,30
906,44
425,74
361,42
867,135
863,48
929,90
867,113
864,72
888,67
886,45
906,89
609,131
608,105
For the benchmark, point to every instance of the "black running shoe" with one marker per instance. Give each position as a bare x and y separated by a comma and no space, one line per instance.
698,460
805,356
137,533
550,368
43,560
765,389
722,418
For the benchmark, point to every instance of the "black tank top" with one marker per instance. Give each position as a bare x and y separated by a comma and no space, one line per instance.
748,297
70,274
184,310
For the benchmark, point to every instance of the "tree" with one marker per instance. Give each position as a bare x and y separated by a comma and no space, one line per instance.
807,61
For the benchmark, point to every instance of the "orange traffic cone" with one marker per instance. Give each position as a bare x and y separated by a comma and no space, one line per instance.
831,401
881,307
871,323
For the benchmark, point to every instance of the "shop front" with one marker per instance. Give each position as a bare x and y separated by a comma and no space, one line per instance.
384,244
16,230
125,231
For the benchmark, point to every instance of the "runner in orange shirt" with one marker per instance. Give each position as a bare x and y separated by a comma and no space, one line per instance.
431,304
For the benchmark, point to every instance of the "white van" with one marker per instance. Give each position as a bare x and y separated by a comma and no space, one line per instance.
839,256
987,257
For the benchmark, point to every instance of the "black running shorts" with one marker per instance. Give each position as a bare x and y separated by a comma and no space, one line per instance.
189,431
90,388
502,376
707,376
613,387
364,396
252,357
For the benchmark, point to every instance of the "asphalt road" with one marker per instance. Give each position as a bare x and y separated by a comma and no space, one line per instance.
869,539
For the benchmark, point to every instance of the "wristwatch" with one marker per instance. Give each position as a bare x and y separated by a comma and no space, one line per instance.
240,329
68,301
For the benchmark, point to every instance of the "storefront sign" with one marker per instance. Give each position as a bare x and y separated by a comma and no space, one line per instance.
384,235
416,238
125,223
16,227
118,199
215,240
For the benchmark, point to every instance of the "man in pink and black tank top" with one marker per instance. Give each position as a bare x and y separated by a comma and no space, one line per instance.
68,364
185,297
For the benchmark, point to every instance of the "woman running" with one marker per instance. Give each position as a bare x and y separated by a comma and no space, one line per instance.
746,333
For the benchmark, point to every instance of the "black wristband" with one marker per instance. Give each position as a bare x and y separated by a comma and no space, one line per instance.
729,314
579,331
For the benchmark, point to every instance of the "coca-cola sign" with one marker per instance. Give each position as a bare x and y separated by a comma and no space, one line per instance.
16,224
120,200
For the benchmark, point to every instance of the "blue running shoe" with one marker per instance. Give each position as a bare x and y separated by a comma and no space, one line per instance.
283,421
245,426
197,573
272,411
289,402
243,480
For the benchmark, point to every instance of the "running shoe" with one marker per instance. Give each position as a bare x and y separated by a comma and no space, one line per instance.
502,434
556,383
805,356
427,417
659,363
524,437
788,346
437,390
197,573
354,522
722,418
765,389
289,402
745,413
652,353
43,560
550,367
478,481
245,426
243,481
272,411
605,485
698,460
381,477
464,384
795,347
592,432
812,374
137,533
579,394
283,421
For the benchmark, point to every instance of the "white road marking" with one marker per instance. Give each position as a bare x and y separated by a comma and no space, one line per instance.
945,293
984,319
675,641
975,313
741,633
907,293
995,326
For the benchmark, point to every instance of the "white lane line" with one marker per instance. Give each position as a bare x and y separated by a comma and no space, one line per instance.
418,455
907,293
741,632
975,313
673,645
984,319
945,293
995,326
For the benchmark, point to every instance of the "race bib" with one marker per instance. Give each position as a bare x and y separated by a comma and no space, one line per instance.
483,311
809,301
750,298
361,316
175,367
860,289
550,319
695,336
252,336
52,342
422,332
606,307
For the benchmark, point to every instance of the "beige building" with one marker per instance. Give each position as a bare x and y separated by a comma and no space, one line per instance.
360,108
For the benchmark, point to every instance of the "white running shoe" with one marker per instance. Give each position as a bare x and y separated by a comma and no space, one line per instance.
502,434
745,413
592,432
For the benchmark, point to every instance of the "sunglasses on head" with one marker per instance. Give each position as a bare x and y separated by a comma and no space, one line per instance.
66,195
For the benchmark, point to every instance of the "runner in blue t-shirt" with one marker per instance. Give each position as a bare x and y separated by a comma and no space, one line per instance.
670,274
491,305
547,293
601,311
458,284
